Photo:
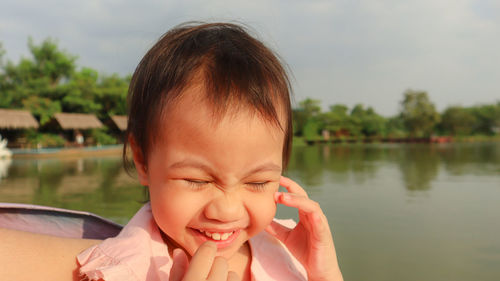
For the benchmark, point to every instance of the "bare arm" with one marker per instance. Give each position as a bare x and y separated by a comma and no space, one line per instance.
30,256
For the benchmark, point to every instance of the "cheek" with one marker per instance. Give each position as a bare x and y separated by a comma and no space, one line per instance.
172,209
262,210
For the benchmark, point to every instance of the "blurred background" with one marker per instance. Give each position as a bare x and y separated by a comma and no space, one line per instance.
396,111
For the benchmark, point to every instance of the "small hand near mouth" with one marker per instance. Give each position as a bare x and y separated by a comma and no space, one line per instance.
204,265
310,241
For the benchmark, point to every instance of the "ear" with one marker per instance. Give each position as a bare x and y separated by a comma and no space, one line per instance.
140,165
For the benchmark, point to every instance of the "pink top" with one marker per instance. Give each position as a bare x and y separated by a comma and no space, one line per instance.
138,253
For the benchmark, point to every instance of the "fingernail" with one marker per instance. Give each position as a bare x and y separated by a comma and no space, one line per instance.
277,196
176,253
285,196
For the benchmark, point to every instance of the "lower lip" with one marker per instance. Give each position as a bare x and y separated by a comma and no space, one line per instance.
220,243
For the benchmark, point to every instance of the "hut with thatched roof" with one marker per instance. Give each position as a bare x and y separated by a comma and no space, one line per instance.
77,121
117,125
120,122
75,125
13,123
13,119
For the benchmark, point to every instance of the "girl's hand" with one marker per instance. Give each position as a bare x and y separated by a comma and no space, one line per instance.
204,265
311,240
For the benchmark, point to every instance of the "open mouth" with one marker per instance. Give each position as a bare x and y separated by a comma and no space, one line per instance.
217,236
222,239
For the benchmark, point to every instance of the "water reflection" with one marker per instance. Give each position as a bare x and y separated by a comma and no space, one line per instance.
419,164
4,167
394,208
97,185
72,183
469,158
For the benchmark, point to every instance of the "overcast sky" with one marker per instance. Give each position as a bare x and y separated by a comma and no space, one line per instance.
346,52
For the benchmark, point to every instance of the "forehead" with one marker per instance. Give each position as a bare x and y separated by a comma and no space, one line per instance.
194,104
234,141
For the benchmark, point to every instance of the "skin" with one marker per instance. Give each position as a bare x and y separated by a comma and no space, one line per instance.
311,240
224,176
30,256
227,179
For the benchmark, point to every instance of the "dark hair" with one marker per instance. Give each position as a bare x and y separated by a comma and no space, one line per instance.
235,68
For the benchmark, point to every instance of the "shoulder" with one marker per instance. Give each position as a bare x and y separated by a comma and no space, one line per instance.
31,256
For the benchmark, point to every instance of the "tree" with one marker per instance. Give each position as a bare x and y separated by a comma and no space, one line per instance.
44,108
419,113
366,121
488,118
5,99
457,120
307,112
395,127
51,62
81,91
112,95
38,83
336,120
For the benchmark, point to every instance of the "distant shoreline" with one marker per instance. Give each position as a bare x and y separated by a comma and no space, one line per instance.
299,141
116,150
108,150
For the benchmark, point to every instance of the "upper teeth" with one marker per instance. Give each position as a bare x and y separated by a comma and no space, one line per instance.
218,236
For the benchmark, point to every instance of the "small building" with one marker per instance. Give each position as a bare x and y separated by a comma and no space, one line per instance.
120,122
76,126
118,126
14,123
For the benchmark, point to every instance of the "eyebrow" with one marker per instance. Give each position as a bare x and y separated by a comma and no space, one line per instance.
199,165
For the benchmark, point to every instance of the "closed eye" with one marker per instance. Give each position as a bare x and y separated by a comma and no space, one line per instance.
258,186
196,184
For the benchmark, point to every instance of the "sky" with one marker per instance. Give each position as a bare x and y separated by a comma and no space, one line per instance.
346,51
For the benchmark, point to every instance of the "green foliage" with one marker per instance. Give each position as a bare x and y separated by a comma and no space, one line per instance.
336,119
50,62
419,113
48,81
488,119
395,127
81,91
111,94
457,120
101,137
38,140
308,110
367,122
44,108
36,83
311,129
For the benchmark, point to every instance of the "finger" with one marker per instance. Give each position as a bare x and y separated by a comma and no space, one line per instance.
292,186
232,276
310,213
179,266
302,203
201,263
219,270
278,230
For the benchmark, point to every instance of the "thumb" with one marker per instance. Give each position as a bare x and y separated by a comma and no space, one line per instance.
278,230
179,266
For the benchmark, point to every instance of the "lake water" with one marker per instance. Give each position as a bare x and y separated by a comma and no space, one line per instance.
397,211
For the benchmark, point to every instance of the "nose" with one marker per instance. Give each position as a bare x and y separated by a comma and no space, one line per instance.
226,206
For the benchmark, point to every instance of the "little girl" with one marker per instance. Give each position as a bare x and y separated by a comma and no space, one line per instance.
210,131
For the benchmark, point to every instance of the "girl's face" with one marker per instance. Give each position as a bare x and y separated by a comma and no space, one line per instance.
212,180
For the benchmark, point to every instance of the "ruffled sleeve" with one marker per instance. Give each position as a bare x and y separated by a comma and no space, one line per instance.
95,265
138,253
